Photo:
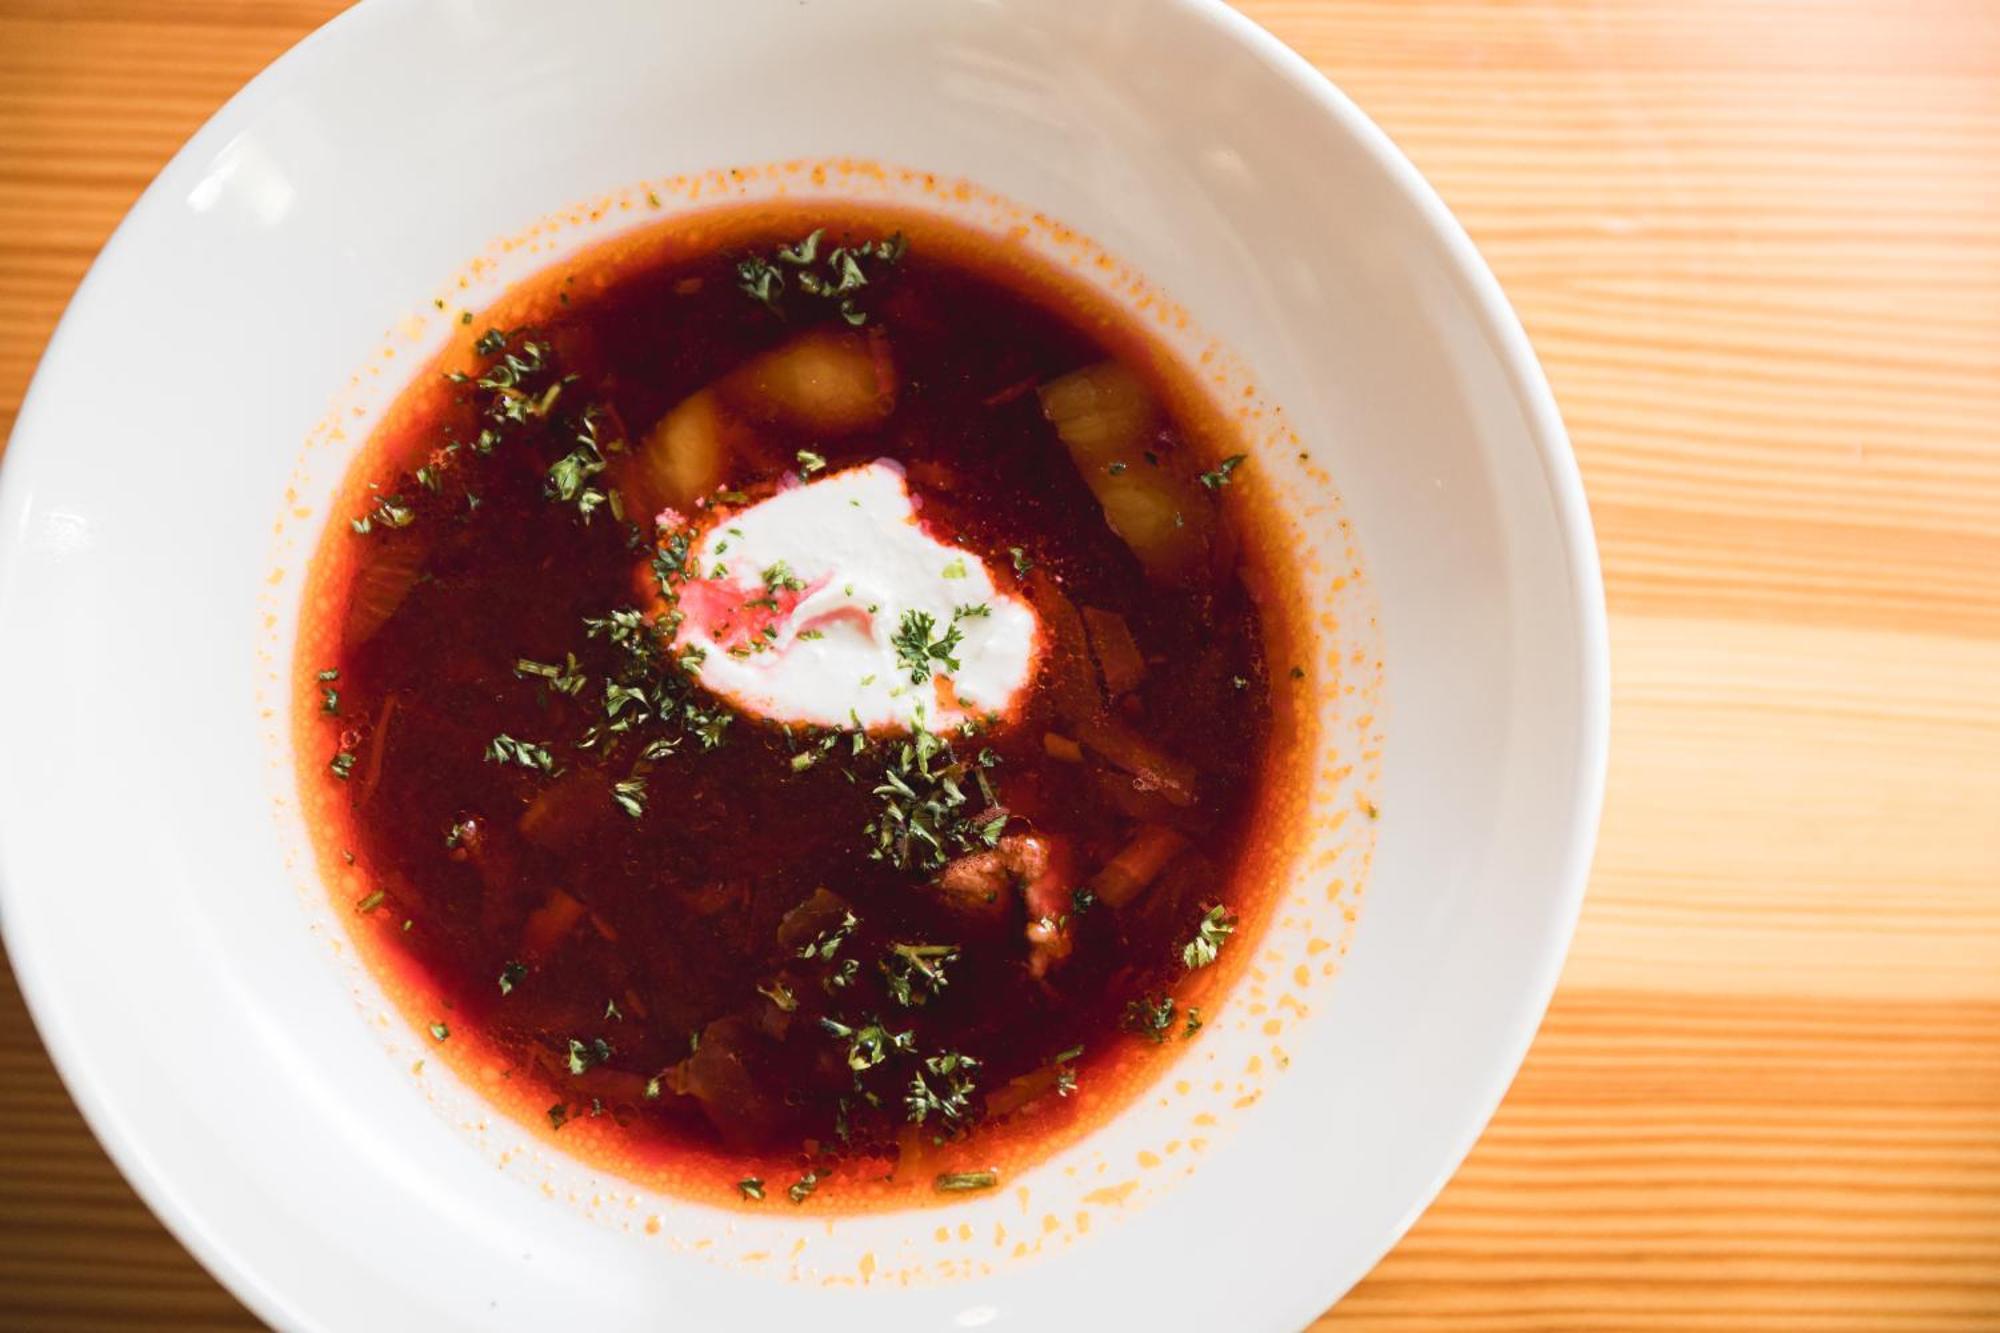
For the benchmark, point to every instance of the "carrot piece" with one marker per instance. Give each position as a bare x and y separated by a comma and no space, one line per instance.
1017,1092
1121,791
1117,652
1072,681
548,924
378,745
1114,740
568,810
1058,746
1137,864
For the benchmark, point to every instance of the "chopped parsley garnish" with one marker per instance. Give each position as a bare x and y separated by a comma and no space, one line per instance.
779,576
1151,1017
778,993
827,943
946,1093
331,673
558,1116
513,387
389,511
920,647
1081,901
750,1187
952,1182
916,972
650,686
810,462
870,1045
836,279
371,902
569,475
342,764
763,282
1298,673
924,819
583,1055
956,569
1066,1070
1022,562
504,749
511,976
630,795
439,1031
1193,1022
803,1186
1206,945
329,702
568,678
819,750
1219,478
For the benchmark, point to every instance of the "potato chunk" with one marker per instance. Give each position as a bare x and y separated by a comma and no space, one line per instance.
1109,421
826,381
687,451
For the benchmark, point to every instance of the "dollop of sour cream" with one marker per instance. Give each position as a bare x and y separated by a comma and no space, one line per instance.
811,607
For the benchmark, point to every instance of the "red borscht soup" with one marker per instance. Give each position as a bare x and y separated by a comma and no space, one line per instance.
794,700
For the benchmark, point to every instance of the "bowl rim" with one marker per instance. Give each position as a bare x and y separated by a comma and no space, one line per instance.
1501,324
1497,322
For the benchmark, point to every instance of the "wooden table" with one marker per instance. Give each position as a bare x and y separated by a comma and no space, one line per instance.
1757,244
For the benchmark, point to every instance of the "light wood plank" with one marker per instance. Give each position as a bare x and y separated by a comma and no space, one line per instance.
1755,242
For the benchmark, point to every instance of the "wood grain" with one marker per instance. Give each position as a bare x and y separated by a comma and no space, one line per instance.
1757,244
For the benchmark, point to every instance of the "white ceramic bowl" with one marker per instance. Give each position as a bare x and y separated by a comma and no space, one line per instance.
183,965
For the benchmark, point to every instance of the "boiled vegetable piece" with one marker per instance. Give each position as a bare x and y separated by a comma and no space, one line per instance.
1022,1089
688,451
1117,652
827,381
744,1109
1137,864
818,915
1109,421
978,887
1080,703
548,924
1072,682
1102,412
1119,743
382,582
572,808
378,746
1121,791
